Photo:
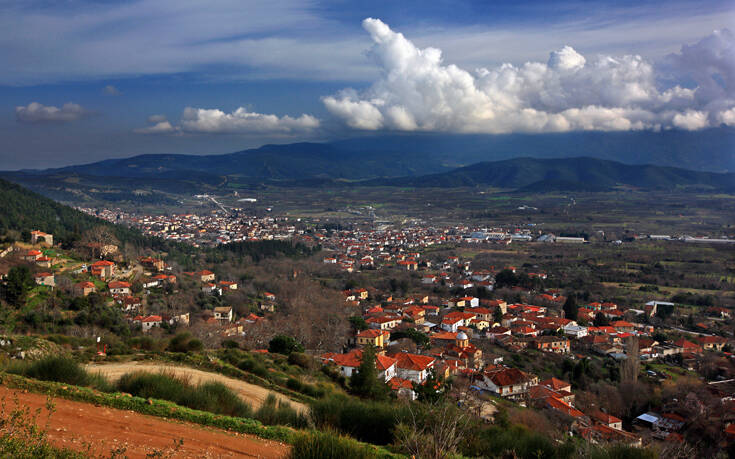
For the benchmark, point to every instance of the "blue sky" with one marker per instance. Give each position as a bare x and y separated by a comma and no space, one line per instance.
88,80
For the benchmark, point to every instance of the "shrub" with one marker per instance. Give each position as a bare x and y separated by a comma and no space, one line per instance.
230,344
300,359
60,369
284,344
369,421
214,397
253,366
326,445
180,342
274,412
294,384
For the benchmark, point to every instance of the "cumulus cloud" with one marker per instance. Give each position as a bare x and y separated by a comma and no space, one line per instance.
39,113
418,91
158,125
240,121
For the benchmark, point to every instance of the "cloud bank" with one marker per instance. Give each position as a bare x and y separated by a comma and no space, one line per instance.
240,121
418,92
39,113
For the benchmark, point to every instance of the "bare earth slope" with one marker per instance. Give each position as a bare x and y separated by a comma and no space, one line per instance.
251,393
98,430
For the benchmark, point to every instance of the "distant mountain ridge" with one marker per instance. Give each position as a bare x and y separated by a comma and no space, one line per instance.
584,161
567,174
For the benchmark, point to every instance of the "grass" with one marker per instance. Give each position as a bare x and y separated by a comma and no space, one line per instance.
21,436
274,412
328,445
169,410
59,369
214,397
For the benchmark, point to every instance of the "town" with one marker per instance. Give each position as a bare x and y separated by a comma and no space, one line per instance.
487,329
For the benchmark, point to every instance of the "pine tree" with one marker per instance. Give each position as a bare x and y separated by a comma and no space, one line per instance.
365,382
570,308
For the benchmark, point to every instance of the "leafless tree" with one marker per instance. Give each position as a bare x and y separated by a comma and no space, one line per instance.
437,439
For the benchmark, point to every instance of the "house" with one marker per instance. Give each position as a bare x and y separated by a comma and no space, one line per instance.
269,296
606,419
38,237
384,322
151,283
153,263
413,367
32,255
506,382
574,330
226,286
84,288
429,279
119,287
712,343
211,288
451,324
556,344
44,262
46,279
205,276
103,269
377,338
349,363
223,313
147,323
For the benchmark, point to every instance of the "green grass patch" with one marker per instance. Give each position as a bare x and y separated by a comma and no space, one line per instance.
214,397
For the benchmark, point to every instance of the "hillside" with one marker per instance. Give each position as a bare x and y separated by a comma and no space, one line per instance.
569,174
23,210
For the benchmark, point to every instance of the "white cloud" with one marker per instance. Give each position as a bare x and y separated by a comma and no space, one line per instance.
418,91
240,121
39,113
110,90
158,125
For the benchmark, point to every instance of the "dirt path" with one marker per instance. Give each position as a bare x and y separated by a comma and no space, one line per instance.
100,430
251,393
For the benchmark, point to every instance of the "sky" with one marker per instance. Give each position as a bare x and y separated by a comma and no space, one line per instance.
85,80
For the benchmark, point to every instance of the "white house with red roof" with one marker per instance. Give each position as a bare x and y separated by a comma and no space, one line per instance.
413,367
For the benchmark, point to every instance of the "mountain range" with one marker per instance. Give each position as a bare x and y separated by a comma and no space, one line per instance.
651,160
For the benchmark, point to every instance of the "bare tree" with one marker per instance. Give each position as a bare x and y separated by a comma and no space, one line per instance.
631,366
434,435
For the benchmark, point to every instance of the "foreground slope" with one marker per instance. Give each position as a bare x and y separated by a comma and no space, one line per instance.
98,430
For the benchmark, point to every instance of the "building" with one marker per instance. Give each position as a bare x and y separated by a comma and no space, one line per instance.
223,313
38,237
103,269
46,279
413,367
84,288
374,337
119,287
506,382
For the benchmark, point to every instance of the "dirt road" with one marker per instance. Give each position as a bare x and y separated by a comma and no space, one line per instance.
99,430
254,395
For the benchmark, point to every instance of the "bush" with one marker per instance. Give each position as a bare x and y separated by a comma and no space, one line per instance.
300,359
274,412
214,397
326,445
183,342
369,421
253,366
284,344
230,344
60,369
